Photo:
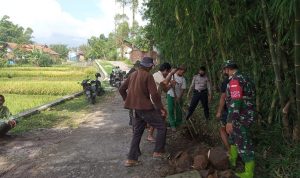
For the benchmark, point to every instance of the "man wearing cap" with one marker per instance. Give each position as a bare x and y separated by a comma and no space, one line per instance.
201,92
174,98
136,92
240,100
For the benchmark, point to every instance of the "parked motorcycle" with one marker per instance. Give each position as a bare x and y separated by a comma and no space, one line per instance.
89,88
116,78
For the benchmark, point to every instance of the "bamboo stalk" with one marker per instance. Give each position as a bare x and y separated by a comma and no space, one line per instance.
273,104
296,133
219,35
278,81
255,73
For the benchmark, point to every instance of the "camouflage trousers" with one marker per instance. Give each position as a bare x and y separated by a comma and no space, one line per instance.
241,138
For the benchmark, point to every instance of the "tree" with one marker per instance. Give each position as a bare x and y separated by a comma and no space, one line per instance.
10,32
98,47
123,4
297,68
141,39
134,7
61,49
122,34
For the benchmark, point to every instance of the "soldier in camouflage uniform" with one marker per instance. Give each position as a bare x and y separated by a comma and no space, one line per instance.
240,100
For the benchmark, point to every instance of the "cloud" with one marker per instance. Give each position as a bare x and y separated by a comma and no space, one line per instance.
51,24
48,19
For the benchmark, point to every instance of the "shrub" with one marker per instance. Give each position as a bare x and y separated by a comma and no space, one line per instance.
2,62
45,61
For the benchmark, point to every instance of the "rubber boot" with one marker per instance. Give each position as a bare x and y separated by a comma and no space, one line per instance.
249,170
233,154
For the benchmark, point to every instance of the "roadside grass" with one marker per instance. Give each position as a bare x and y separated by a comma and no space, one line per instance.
106,65
69,114
18,103
128,62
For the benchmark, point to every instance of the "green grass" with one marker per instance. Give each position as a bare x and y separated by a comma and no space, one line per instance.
128,62
38,72
69,114
106,65
28,87
40,87
18,103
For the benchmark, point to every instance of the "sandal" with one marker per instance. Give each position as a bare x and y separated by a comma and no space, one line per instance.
161,155
132,163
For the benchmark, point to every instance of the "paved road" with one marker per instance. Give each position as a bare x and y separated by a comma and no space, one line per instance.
96,149
121,64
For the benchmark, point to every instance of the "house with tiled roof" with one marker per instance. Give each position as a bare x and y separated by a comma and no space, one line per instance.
12,47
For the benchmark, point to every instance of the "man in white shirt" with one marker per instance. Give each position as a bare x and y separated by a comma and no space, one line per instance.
174,98
162,80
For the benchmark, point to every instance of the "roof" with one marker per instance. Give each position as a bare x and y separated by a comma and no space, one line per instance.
31,47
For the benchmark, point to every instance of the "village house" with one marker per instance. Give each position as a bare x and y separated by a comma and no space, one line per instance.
76,56
12,47
134,54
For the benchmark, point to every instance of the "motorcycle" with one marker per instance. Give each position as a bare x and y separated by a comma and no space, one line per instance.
89,88
116,78
99,89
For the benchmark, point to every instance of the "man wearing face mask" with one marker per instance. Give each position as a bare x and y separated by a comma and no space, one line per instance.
201,88
240,101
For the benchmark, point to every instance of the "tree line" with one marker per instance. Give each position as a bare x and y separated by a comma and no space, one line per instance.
13,33
111,47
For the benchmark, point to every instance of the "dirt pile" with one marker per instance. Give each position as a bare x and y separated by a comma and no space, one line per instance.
189,156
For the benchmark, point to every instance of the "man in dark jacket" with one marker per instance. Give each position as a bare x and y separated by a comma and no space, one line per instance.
136,92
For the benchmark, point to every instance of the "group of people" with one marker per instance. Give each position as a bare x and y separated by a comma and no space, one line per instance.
153,99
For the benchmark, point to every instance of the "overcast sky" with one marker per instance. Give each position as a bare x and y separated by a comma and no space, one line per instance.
69,22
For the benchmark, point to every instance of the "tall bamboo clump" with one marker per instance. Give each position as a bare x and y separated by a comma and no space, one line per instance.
256,34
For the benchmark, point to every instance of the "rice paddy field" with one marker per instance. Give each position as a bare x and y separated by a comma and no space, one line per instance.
28,87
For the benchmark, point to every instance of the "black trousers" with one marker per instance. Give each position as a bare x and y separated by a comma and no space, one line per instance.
140,119
199,96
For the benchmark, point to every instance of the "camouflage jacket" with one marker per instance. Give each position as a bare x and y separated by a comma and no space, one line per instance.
240,99
4,114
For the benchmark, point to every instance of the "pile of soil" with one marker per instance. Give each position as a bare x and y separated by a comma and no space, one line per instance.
187,154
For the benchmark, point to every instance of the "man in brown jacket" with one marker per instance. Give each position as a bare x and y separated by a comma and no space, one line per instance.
136,92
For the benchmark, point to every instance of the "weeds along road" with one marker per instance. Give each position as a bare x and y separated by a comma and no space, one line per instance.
97,148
